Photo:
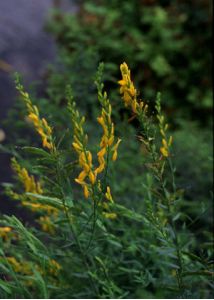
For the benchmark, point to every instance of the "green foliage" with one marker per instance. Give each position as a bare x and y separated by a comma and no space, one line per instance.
143,243
167,45
154,240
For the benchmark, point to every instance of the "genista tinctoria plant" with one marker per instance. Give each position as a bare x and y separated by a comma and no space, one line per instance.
84,240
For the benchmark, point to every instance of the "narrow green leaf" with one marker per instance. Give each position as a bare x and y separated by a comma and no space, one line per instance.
55,202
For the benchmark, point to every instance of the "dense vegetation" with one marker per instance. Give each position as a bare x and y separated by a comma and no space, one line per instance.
116,177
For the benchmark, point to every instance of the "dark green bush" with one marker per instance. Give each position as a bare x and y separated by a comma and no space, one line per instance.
166,43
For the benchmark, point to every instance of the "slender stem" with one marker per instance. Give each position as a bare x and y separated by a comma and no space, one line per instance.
176,242
75,236
94,220
83,255
171,221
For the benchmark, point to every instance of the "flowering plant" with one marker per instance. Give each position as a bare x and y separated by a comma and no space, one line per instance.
96,244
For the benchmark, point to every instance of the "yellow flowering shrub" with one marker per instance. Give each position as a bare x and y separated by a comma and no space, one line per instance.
109,246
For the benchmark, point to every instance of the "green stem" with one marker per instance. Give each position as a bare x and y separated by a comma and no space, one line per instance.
75,236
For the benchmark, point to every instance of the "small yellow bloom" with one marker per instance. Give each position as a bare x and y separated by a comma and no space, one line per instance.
164,142
77,147
170,141
92,177
54,267
114,149
102,152
108,194
17,267
4,231
164,151
86,191
100,168
82,176
79,181
111,216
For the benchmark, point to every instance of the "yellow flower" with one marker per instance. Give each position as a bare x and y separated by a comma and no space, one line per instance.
164,151
170,141
114,149
82,176
128,91
108,194
4,232
86,191
77,147
31,186
19,267
163,126
54,267
92,177
111,216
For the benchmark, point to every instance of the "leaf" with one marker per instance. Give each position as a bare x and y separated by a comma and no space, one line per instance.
193,257
33,242
176,217
5,287
55,202
115,243
128,213
199,273
128,270
37,151
41,284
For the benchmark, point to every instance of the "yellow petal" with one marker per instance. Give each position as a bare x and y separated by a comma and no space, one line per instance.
100,168
85,191
164,151
82,176
111,216
92,177
170,141
108,194
77,146
102,152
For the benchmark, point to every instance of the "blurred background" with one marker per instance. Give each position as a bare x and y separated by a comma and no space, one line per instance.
167,45
25,47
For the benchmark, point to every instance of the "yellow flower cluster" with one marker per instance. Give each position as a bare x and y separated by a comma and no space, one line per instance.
33,186
19,267
166,143
85,156
27,180
26,267
107,139
129,92
41,125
